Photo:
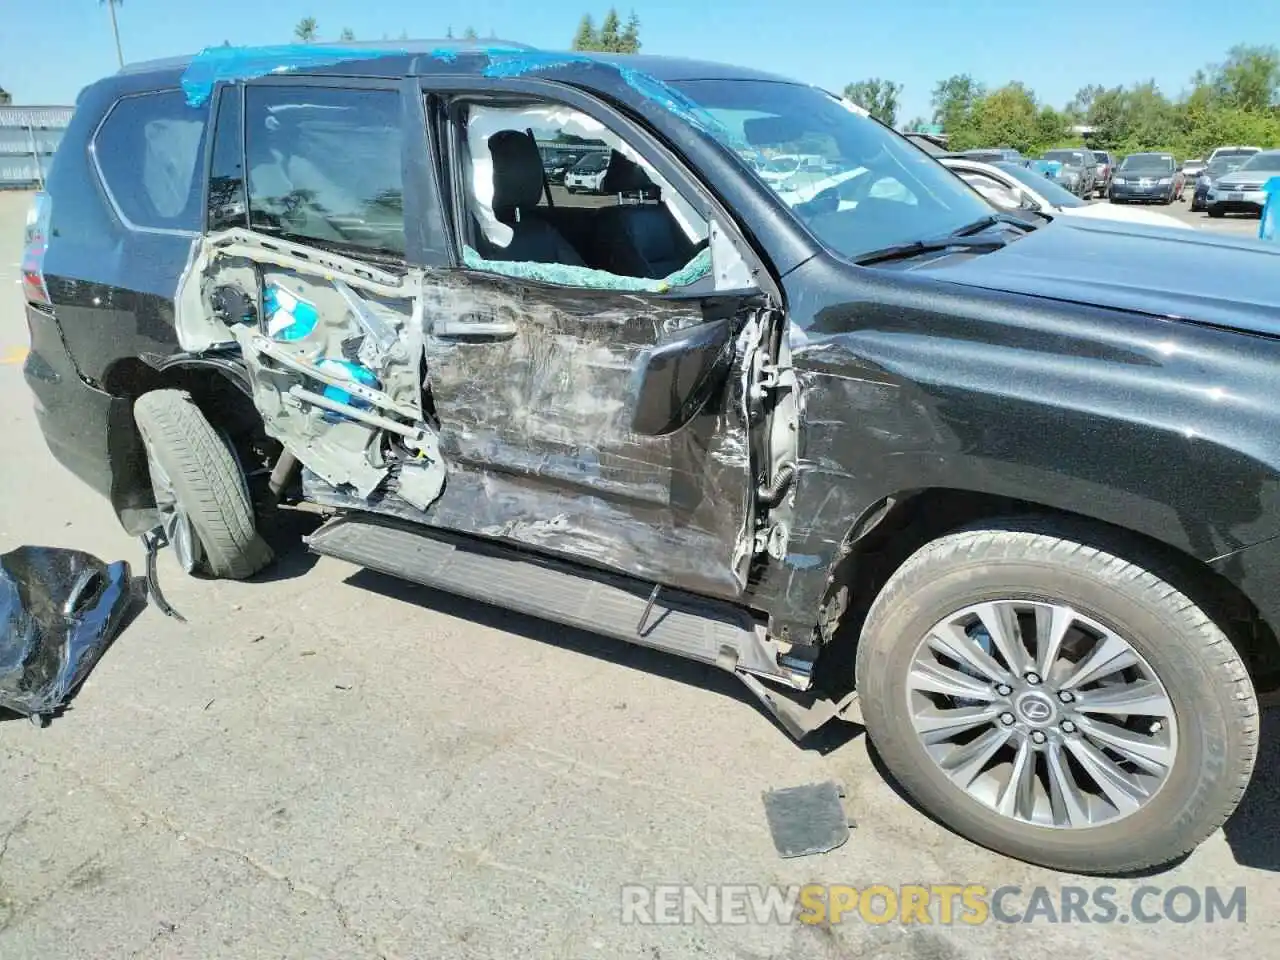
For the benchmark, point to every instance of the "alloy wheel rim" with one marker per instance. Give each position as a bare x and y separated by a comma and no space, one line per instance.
1042,714
173,518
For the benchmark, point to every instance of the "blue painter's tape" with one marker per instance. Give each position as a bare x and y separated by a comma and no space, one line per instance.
1269,229
215,64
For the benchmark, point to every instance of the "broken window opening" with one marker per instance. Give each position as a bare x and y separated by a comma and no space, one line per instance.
553,195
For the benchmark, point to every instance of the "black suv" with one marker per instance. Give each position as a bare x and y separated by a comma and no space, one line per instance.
1013,478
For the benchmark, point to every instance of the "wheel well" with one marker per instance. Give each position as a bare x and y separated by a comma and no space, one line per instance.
219,394
882,542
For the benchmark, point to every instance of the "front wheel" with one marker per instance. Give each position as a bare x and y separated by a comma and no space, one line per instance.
1217,212
1056,702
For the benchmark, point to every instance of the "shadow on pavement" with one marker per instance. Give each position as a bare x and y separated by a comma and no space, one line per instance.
1253,833
284,534
825,740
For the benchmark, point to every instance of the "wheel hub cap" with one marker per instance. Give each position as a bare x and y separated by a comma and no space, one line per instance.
1042,714
173,518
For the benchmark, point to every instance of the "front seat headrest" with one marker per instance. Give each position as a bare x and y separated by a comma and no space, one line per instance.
625,176
517,172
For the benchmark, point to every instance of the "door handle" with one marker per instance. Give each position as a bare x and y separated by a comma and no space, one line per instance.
474,330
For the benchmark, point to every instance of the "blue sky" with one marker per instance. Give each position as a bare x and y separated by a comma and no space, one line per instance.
49,49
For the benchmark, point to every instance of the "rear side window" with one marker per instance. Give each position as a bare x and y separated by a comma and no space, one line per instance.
148,152
325,166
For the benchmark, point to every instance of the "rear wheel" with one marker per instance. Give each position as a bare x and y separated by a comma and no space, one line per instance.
1056,702
200,490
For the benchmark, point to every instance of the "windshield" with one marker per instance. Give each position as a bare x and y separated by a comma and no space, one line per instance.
898,194
1245,152
1223,165
1101,156
1267,160
592,164
1069,158
1042,185
1147,163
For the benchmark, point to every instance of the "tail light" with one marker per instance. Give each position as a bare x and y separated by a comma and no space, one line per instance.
35,244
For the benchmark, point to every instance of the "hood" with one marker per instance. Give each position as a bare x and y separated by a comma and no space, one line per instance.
1181,274
1110,211
1247,176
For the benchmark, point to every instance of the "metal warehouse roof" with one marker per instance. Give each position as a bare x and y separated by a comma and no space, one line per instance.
26,116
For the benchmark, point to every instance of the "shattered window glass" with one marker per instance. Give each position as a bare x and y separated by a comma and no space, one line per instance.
856,184
149,151
551,185
325,166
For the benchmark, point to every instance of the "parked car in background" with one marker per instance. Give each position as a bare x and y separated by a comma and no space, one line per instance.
1241,191
1209,176
557,168
1078,171
1192,168
992,155
1147,178
1013,187
1243,152
1106,170
588,174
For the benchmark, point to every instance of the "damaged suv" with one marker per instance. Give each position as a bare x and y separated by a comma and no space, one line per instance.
1000,488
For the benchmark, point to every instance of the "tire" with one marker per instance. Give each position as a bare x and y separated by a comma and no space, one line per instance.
207,482
1217,212
1214,710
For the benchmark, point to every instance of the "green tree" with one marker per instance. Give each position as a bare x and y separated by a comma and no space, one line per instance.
306,29
953,101
5,97
586,38
1003,118
1051,127
878,97
1250,77
1078,109
115,26
347,34
630,42
917,125
1109,116
470,35
610,36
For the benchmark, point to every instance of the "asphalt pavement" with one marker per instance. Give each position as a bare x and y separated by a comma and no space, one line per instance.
326,763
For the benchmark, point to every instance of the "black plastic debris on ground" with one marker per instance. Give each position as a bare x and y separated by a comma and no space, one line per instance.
807,820
59,611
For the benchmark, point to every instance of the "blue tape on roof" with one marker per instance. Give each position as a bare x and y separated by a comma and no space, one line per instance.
215,64
218,64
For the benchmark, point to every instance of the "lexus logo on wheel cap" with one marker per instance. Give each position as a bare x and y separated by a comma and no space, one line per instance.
1035,709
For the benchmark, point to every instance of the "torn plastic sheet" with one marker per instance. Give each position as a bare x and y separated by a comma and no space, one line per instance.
484,122
59,611
569,276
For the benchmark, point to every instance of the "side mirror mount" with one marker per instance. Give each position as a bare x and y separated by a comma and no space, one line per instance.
1025,202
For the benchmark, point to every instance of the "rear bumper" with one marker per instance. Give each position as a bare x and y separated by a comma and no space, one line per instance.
1250,201
89,432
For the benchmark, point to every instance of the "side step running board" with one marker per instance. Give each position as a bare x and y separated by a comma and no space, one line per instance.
695,627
